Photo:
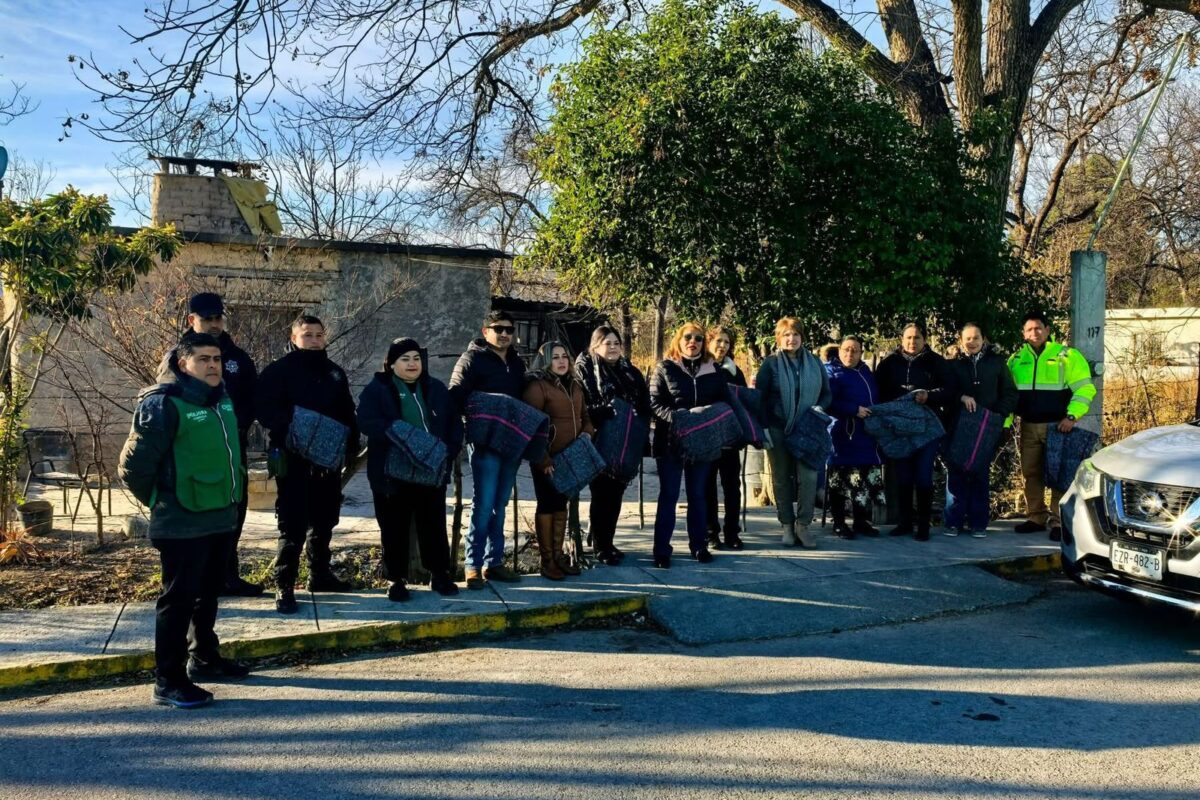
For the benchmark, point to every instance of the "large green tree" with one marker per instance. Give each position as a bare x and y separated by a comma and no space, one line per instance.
56,254
711,157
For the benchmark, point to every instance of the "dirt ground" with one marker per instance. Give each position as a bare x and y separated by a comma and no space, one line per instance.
72,571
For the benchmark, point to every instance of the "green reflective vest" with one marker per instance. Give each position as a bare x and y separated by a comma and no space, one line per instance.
208,457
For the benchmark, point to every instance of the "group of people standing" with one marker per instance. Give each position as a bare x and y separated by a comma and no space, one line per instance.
185,457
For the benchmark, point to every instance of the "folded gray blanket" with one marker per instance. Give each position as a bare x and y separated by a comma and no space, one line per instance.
903,426
810,442
416,456
1064,453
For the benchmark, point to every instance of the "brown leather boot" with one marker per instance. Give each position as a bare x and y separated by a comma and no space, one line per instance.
560,539
545,536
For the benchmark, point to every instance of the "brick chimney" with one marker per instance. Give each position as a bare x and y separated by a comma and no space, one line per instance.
195,202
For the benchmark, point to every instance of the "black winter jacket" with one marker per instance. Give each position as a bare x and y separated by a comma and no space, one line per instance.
238,373
602,383
988,380
480,369
897,376
307,378
379,407
147,463
677,385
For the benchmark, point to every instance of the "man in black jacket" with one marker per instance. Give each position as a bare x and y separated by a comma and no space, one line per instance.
310,496
491,364
206,314
181,461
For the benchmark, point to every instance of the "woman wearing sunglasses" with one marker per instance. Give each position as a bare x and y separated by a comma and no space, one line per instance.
686,378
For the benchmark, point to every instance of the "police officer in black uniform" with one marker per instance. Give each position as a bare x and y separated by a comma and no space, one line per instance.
310,497
206,314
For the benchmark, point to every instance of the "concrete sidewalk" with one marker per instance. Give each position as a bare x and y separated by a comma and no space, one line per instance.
764,591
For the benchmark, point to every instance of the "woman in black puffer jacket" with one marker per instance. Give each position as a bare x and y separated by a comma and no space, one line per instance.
686,378
981,380
606,375
721,341
405,390
913,368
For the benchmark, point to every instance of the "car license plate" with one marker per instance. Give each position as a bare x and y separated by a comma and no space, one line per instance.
1140,563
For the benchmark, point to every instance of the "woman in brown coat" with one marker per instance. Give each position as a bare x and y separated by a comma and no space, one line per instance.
552,388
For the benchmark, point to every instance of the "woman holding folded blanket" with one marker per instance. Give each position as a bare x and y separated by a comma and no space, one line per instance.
915,369
721,341
405,391
552,389
687,378
855,471
981,380
791,380
606,375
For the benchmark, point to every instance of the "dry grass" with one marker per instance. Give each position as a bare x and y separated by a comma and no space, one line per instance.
1135,404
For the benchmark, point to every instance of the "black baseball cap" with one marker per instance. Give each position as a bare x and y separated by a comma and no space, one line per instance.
206,304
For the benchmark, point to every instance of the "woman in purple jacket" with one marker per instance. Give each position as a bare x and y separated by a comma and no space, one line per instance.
855,472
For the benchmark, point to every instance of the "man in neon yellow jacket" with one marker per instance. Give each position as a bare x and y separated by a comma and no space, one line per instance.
1054,386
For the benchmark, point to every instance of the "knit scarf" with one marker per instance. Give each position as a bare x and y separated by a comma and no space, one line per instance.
797,377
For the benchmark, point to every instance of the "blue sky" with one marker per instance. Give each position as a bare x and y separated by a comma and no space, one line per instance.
35,39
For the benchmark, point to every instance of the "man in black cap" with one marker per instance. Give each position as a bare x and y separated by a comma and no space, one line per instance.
206,314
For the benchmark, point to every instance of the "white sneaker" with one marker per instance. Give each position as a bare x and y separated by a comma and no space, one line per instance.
949,531
978,534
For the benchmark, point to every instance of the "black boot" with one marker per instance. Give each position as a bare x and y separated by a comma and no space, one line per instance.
862,525
904,498
837,510
320,576
924,512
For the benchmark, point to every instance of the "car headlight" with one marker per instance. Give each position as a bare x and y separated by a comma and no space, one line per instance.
1089,481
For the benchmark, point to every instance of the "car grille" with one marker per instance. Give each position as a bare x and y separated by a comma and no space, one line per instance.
1154,503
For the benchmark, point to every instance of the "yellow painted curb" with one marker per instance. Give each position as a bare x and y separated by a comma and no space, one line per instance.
1026,565
353,638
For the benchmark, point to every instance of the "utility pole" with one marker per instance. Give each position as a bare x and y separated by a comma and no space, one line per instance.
1089,270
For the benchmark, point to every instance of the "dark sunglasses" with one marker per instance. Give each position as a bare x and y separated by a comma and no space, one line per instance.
693,337
504,329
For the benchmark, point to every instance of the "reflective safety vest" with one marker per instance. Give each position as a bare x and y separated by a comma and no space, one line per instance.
208,457
1053,384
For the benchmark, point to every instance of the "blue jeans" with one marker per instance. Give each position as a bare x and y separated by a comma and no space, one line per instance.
916,469
967,499
695,477
493,483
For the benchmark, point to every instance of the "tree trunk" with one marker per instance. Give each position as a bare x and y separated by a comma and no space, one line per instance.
660,333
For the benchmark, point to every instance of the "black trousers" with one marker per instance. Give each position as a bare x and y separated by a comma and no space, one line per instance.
607,494
193,574
396,513
549,499
729,468
308,507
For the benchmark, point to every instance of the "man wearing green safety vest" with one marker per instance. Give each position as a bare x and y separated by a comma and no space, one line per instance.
183,461
1054,386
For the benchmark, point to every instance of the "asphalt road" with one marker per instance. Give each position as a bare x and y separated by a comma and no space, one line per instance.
1071,695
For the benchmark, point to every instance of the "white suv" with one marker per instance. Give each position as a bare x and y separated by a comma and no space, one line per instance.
1131,519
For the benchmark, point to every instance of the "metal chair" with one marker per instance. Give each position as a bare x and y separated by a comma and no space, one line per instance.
49,452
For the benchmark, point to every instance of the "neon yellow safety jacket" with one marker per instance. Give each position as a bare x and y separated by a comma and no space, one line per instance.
1051,385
